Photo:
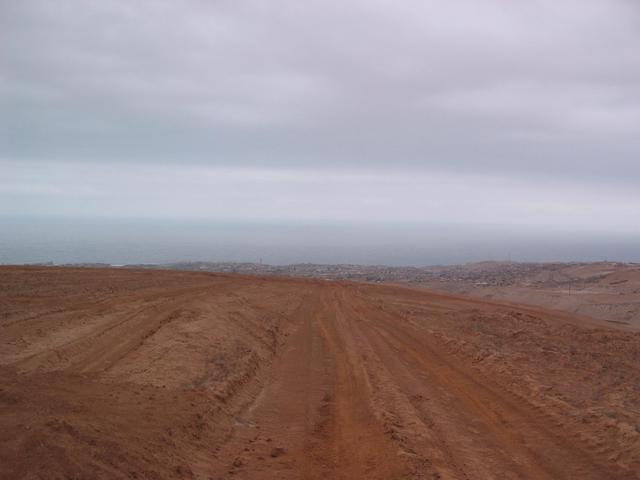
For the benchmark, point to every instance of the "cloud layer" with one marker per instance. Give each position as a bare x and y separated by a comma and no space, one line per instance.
499,98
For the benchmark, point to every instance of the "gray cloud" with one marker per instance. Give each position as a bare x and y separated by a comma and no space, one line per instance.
527,90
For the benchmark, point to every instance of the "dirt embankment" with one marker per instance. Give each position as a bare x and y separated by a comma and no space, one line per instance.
152,374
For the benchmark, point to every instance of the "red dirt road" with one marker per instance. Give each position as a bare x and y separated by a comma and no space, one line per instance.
151,374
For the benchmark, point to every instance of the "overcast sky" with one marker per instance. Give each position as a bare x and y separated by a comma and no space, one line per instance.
501,112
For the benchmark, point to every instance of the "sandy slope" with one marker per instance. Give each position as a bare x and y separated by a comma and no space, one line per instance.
604,290
152,374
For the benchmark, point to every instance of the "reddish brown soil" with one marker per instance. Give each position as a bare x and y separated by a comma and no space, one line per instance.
151,374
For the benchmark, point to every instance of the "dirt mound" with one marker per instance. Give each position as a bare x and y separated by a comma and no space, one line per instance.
156,374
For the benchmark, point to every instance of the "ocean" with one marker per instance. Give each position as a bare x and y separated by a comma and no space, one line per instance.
130,241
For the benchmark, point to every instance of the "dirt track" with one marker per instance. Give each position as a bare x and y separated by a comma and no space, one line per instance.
151,374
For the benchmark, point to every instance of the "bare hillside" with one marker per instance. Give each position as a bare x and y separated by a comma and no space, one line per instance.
113,373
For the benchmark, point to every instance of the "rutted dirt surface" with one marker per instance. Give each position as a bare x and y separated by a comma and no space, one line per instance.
154,374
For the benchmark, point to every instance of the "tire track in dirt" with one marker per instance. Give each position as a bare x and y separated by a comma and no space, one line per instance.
275,434
236,377
95,350
359,444
361,393
518,442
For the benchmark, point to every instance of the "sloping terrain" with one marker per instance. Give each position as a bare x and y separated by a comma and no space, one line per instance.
608,291
109,373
